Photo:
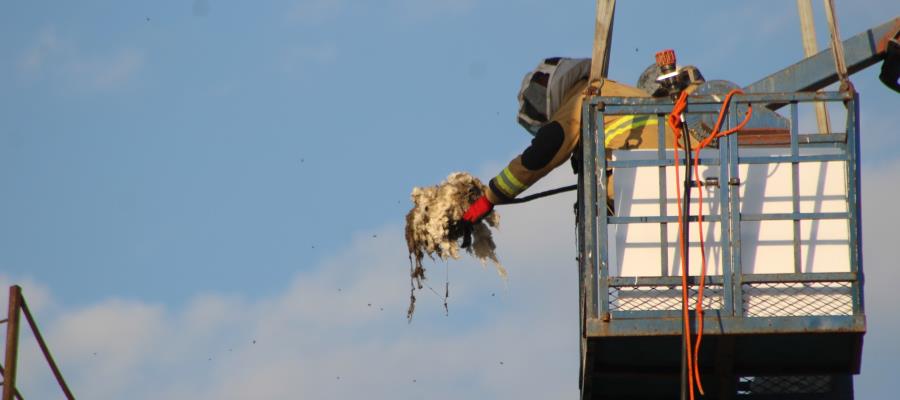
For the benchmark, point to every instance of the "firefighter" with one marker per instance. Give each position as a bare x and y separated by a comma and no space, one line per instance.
550,102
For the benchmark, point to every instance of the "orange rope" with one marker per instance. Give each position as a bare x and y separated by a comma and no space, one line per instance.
693,362
676,123
715,134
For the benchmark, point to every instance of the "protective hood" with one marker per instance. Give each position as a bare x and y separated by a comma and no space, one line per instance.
544,89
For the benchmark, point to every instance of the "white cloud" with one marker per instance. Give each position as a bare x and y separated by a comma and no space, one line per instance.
107,71
106,343
36,294
46,45
61,61
880,219
339,331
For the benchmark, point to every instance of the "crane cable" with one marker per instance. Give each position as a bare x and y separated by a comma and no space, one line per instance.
676,122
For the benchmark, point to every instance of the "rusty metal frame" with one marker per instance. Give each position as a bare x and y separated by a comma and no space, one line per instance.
18,307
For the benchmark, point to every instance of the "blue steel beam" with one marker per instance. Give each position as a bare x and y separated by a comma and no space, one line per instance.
588,218
818,71
730,325
706,103
638,281
659,219
655,162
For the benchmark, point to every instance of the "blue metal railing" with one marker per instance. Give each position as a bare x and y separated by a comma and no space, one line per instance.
731,285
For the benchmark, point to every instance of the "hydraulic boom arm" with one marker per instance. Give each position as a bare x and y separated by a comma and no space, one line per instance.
818,71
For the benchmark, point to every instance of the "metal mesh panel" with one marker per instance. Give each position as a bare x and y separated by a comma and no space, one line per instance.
655,298
797,299
791,384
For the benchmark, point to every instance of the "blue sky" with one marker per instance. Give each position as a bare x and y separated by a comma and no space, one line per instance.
183,177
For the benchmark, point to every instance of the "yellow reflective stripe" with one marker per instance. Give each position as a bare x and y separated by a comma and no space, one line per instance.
503,186
508,184
640,122
617,129
512,179
617,123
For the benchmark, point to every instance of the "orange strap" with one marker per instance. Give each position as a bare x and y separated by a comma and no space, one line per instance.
693,360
